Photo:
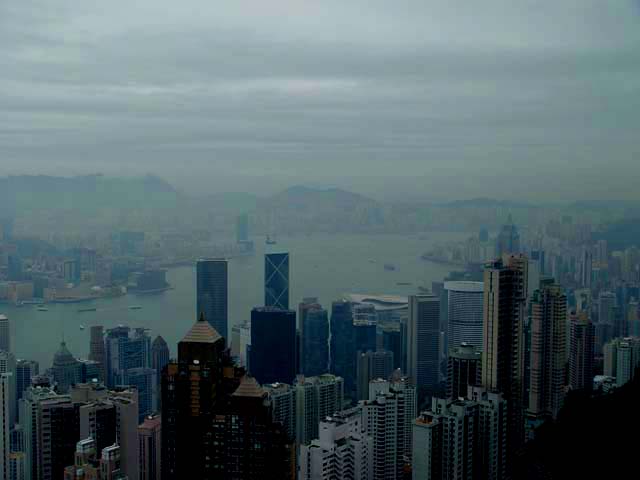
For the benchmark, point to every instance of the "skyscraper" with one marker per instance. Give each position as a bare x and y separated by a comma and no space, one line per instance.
463,370
25,371
343,351
622,358
125,350
160,355
283,407
212,293
465,313
342,451
149,448
6,424
508,240
371,366
423,344
315,342
548,351
5,333
67,370
144,381
96,348
505,294
273,345
276,280
581,352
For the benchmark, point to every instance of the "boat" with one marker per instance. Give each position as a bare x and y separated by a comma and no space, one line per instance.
389,267
93,309
82,327
422,289
135,307
371,260
42,309
270,241
404,283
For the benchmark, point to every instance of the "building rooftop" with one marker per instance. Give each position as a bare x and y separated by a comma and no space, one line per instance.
202,332
249,387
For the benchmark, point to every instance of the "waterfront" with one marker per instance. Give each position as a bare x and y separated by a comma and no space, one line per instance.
323,266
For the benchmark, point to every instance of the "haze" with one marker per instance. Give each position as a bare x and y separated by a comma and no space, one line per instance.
434,99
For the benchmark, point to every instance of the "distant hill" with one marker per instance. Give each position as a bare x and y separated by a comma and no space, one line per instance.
486,203
25,193
308,199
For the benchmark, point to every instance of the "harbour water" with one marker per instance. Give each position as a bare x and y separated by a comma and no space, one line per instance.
323,266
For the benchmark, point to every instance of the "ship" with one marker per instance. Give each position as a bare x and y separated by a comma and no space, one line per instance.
42,309
93,309
135,307
270,241
404,283
82,327
389,267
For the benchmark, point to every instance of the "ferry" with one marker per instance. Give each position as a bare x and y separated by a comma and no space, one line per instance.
82,327
92,309
404,283
389,267
135,307
42,309
270,241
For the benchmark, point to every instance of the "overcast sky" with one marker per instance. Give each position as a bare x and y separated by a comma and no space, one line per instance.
439,99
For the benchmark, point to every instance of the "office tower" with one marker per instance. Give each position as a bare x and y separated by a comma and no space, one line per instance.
508,240
6,423
144,381
423,344
67,370
16,466
90,371
25,371
606,317
505,287
245,344
159,355
149,448
283,407
586,267
392,341
548,351
365,335
29,415
96,348
463,370
242,228
633,318
307,304
8,365
315,342
465,313
342,451
621,358
125,350
581,352
212,293
273,341
316,399
255,446
192,388
343,351
371,366
5,333
276,280
387,417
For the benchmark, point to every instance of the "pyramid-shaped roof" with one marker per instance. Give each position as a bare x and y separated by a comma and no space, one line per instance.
249,387
202,332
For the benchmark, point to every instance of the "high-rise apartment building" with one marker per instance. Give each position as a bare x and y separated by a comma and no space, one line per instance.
464,370
88,466
505,295
342,451
276,280
387,417
622,358
212,293
464,313
25,371
423,344
547,351
5,333
316,398
371,366
581,352
273,345
8,365
149,448
283,407
6,424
